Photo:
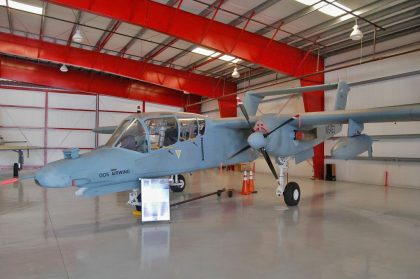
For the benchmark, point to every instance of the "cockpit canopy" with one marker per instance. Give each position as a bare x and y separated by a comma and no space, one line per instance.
155,133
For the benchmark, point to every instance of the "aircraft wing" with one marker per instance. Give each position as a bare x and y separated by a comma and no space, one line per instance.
105,129
18,147
381,114
233,122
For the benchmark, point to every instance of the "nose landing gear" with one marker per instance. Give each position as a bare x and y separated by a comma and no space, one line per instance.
134,199
177,183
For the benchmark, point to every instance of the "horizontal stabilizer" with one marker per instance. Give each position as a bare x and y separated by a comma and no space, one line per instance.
105,130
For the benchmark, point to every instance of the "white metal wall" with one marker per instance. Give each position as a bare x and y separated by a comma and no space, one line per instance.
386,93
69,120
22,117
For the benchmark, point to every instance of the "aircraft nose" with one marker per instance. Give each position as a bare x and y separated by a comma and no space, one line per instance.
51,177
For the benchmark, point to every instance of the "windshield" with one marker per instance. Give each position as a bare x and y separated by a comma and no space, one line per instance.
129,135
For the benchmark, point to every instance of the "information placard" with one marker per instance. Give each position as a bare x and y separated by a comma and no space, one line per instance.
155,200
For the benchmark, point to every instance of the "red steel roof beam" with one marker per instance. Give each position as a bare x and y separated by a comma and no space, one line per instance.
159,75
199,30
207,60
46,75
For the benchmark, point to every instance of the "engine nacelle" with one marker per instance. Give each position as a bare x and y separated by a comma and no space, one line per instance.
349,147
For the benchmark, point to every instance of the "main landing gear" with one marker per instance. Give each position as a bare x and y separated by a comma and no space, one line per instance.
290,192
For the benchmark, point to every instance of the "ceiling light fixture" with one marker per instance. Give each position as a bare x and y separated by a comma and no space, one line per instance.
211,53
356,34
235,73
22,6
77,37
326,8
64,68
203,51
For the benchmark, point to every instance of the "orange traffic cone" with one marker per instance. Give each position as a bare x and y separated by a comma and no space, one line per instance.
251,183
245,190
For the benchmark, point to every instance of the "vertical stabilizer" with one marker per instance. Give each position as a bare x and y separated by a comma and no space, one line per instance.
342,91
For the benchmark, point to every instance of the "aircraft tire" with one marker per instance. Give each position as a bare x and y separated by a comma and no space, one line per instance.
291,194
178,189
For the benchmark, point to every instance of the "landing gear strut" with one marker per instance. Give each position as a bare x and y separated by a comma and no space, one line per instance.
290,192
134,199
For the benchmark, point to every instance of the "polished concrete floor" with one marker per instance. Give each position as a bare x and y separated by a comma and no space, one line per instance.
339,230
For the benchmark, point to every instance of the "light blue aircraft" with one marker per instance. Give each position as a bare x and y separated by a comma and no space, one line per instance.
151,145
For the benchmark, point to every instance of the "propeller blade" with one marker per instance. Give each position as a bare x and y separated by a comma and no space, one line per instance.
240,151
281,125
269,163
245,113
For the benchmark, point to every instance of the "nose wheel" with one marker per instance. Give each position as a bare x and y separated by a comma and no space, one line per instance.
178,183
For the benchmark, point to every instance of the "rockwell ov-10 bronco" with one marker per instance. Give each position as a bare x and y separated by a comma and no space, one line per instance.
151,145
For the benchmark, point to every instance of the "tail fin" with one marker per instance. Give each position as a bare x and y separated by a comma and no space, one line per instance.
342,92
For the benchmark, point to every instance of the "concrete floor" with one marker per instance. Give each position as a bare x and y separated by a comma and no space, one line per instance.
339,230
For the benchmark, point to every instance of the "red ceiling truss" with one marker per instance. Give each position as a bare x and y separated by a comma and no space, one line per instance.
84,81
159,75
203,31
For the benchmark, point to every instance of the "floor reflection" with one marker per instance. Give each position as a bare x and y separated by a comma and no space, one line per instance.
155,244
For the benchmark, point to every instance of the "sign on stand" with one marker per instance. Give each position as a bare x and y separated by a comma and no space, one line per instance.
155,204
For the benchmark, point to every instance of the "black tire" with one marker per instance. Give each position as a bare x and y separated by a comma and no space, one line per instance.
15,170
230,193
292,194
178,189
138,207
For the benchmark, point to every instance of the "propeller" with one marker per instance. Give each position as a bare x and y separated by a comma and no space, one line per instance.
259,137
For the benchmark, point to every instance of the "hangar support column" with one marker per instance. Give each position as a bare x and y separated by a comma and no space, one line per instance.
314,101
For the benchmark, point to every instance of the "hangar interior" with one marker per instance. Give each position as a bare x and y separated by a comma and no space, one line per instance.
69,66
